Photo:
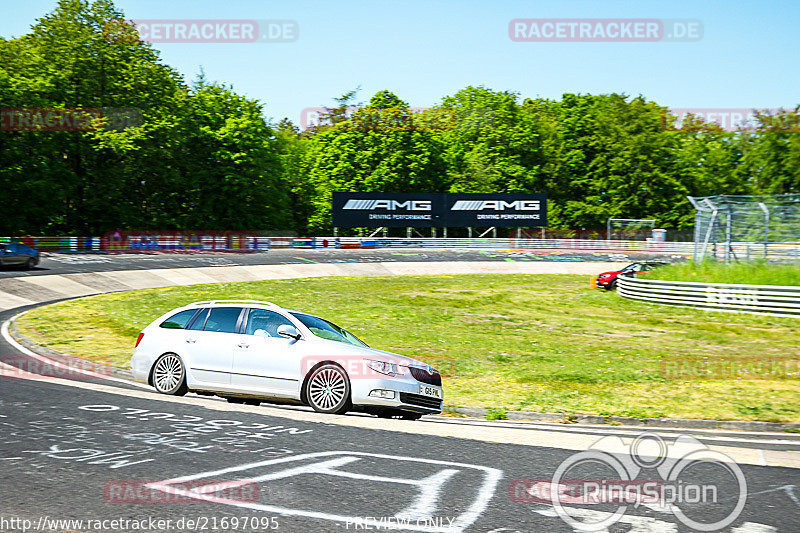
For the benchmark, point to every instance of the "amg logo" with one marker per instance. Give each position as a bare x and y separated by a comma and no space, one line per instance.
495,205
389,205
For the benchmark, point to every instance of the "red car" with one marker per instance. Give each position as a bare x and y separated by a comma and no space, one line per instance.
608,280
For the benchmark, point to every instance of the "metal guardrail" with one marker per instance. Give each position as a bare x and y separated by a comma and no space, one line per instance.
503,244
250,243
246,243
774,300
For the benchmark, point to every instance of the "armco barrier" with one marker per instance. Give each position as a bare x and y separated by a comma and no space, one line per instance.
774,300
683,248
132,242
244,242
135,243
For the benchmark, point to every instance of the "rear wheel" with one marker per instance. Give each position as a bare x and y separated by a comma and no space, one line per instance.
169,375
30,263
328,390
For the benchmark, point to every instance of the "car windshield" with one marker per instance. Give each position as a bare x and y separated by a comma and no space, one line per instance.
328,330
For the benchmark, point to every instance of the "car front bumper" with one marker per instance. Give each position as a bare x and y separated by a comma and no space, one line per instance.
406,390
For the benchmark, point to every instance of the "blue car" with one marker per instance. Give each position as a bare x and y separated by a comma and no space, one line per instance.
17,254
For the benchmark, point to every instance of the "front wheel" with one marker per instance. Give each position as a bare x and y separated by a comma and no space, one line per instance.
328,390
169,375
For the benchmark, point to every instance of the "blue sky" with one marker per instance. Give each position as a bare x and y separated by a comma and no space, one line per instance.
424,50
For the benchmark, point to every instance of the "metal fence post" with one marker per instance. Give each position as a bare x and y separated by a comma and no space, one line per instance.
764,208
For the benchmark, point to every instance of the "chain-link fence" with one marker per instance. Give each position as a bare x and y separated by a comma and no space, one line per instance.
747,227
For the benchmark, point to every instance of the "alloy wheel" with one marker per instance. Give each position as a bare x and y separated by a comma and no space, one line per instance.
169,375
329,390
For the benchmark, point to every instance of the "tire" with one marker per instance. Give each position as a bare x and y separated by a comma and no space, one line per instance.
29,264
169,375
234,400
252,402
328,390
612,285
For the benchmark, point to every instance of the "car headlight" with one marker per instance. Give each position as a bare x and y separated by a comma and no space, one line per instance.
383,367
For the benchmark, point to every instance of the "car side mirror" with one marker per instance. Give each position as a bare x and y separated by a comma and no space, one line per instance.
285,330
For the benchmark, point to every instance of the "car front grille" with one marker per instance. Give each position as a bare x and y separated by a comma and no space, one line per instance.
421,401
423,376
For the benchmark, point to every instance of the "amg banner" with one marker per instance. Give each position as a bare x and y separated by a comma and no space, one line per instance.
425,210
391,210
509,210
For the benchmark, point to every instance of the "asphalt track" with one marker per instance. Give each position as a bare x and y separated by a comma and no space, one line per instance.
78,447
87,263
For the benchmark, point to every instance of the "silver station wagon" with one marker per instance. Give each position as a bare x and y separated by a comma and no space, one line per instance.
249,351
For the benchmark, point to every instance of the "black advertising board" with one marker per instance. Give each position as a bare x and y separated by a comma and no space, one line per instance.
428,210
391,210
505,210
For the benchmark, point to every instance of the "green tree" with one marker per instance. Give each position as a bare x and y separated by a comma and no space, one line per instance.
382,157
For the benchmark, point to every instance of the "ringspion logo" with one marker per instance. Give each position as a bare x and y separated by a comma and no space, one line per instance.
684,478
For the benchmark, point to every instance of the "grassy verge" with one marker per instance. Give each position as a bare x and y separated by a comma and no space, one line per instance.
509,342
752,272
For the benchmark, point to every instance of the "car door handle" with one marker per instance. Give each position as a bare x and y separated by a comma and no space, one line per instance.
191,341
243,345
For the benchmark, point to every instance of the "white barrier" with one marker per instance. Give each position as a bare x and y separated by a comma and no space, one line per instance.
774,300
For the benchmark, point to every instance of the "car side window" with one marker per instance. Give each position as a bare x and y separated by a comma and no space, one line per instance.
199,321
223,319
261,322
179,320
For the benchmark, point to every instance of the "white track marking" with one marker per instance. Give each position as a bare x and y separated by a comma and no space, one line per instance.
752,527
521,436
639,524
419,510
4,330
632,431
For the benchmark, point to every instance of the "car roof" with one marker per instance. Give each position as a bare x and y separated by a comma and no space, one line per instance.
224,303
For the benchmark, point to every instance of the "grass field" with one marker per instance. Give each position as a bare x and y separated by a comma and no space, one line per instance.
507,342
752,272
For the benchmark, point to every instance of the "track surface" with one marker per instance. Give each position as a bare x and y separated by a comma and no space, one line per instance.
84,263
70,448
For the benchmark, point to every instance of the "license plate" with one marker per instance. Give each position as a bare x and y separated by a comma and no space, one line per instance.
433,392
